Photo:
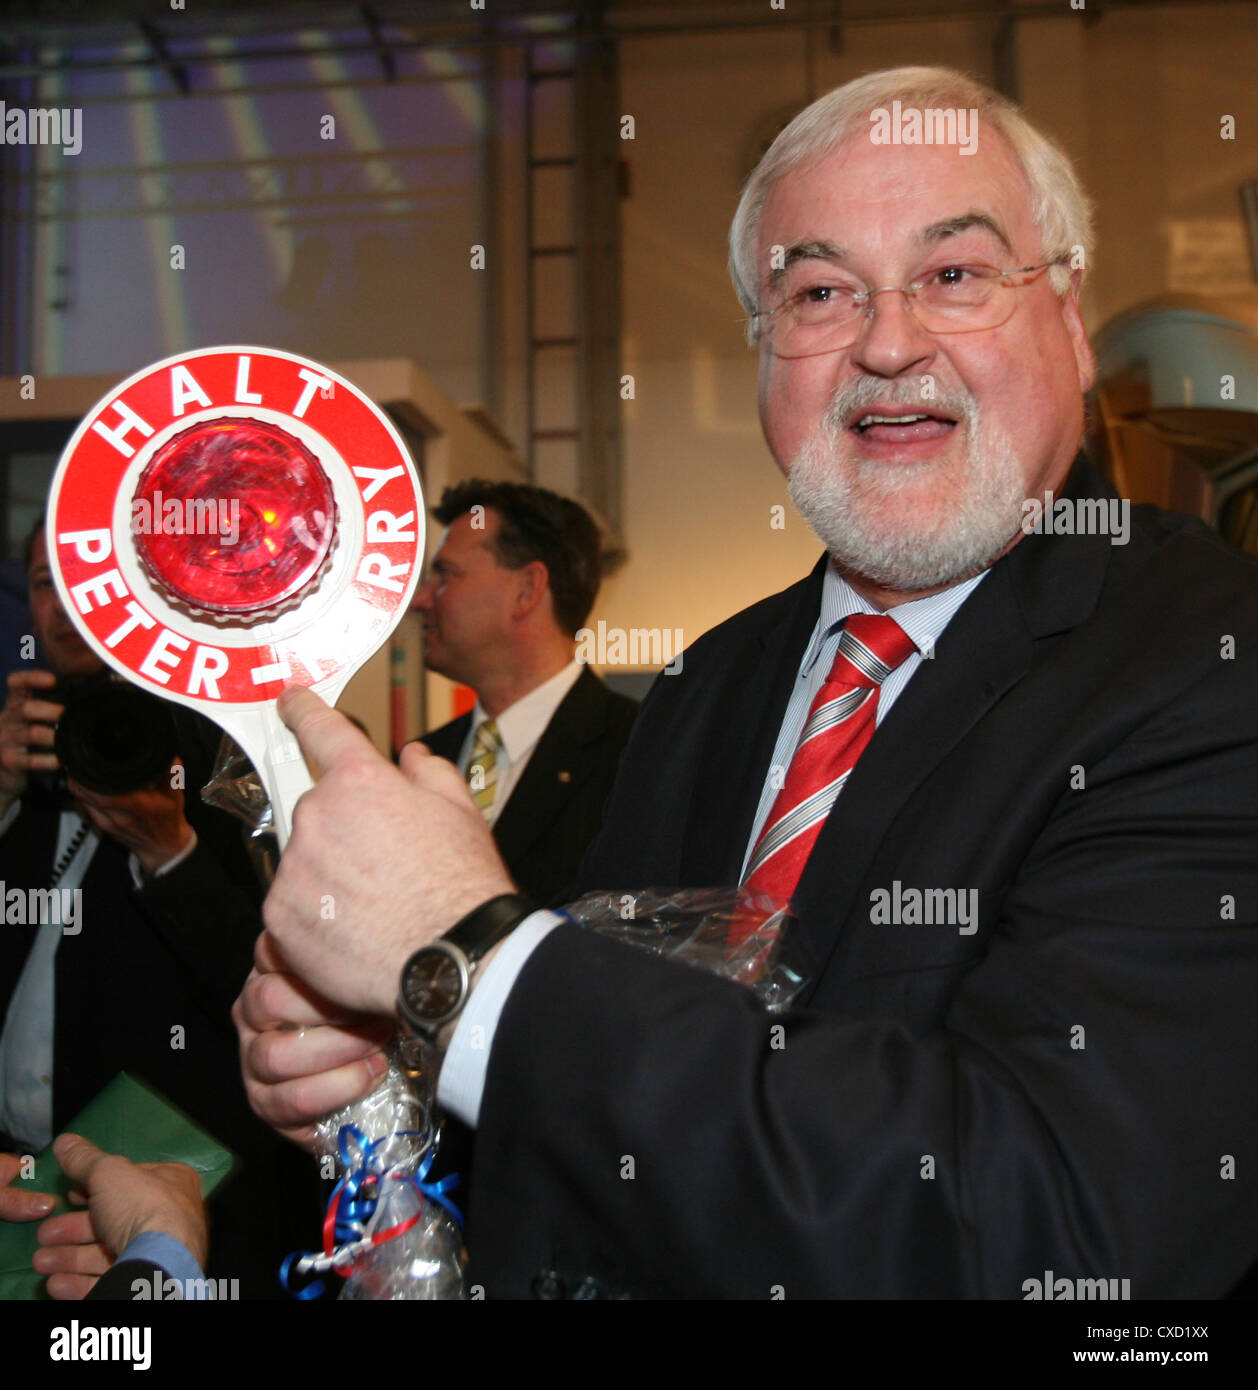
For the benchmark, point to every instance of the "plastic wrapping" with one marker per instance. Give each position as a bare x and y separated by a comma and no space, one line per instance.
381,1146
729,932
236,788
390,1233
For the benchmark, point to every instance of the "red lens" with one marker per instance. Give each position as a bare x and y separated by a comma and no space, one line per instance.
234,518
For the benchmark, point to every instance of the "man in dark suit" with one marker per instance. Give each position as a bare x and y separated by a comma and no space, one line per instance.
511,583
143,979
1025,906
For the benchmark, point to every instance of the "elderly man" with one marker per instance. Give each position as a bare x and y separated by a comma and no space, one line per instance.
1056,731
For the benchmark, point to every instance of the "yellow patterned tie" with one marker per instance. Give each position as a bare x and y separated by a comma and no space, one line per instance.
482,771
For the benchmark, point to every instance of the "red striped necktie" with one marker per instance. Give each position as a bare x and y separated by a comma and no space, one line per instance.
839,725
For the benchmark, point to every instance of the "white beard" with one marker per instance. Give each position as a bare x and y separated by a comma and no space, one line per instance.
851,503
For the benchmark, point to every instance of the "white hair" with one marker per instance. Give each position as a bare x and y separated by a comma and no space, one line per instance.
1059,206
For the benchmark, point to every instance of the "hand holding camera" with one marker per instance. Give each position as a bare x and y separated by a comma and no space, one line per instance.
27,732
110,746
149,822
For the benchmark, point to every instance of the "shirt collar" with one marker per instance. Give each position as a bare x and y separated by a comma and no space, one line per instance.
520,725
923,619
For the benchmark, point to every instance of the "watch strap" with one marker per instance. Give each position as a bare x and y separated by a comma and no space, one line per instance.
471,938
485,926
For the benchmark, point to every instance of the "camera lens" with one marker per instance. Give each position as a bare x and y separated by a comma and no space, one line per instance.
114,738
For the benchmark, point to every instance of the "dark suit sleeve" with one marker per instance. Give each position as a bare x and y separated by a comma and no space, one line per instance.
207,909
1087,1106
115,1284
209,920
557,806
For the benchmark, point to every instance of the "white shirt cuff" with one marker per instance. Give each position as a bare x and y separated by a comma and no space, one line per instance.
461,1085
15,809
140,878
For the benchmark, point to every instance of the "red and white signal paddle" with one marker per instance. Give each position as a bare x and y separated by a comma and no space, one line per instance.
231,521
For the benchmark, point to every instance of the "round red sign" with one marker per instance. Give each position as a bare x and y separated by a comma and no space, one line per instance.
234,520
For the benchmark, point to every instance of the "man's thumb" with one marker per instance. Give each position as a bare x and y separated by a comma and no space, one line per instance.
76,1155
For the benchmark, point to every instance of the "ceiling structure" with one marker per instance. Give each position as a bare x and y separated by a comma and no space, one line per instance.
43,36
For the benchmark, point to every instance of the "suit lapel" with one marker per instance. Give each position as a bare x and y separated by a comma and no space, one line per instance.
447,741
1044,586
751,704
28,850
555,769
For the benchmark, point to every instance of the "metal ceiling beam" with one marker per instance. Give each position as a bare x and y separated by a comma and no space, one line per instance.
388,63
510,30
517,22
161,55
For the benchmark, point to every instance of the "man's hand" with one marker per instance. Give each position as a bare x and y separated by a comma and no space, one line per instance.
124,1200
16,1205
382,859
149,822
302,1057
27,721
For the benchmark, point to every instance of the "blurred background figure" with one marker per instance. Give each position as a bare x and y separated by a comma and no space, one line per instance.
511,583
157,912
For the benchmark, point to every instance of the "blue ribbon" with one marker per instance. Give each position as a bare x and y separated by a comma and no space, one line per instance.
436,1191
312,1290
353,1210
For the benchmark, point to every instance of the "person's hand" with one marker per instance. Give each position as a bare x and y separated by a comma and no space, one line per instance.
16,1205
149,822
123,1200
26,722
382,859
302,1057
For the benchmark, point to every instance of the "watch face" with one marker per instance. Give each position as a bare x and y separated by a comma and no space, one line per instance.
433,985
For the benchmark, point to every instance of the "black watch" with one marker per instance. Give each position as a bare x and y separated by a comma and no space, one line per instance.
437,979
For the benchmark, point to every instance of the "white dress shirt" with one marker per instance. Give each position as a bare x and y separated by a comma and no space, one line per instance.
26,1042
461,1084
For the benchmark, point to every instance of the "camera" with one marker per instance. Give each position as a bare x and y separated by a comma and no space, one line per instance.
112,737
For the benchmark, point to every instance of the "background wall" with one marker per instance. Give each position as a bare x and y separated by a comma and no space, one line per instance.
1136,99
359,246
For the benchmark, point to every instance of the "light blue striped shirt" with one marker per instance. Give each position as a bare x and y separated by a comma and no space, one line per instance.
923,619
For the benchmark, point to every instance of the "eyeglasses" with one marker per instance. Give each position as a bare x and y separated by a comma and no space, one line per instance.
825,317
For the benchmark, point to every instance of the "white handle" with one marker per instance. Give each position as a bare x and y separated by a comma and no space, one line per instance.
277,757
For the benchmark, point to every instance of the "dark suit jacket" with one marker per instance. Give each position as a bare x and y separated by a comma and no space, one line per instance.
950,1115
556,807
172,955
115,1284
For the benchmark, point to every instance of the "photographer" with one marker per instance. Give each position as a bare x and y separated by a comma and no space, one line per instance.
133,961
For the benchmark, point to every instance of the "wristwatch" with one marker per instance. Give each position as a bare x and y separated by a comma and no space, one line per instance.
437,979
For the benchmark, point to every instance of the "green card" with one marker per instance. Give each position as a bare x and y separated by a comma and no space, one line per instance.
130,1118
